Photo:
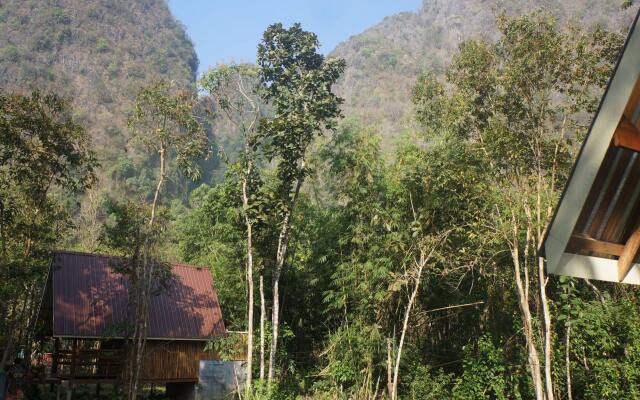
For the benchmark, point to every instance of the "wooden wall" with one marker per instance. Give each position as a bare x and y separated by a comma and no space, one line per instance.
164,361
174,360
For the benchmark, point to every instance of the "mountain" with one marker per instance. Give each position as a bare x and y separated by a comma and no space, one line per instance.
384,61
98,52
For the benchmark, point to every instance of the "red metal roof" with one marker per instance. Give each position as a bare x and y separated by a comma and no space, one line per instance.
91,300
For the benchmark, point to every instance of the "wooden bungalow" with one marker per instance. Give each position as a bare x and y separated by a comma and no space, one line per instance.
595,232
83,310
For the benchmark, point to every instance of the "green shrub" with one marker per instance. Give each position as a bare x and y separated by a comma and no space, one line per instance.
431,386
136,71
12,54
484,373
42,43
102,46
58,16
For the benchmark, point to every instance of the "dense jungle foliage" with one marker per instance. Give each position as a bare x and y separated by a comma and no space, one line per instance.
410,274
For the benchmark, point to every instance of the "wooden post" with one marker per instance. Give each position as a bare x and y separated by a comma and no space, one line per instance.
625,262
74,349
54,362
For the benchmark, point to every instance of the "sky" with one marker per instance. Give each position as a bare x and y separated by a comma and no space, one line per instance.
229,30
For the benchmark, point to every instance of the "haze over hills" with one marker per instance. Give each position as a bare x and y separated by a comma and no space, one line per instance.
384,61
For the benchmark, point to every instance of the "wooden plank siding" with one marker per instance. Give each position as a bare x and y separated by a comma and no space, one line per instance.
96,361
176,361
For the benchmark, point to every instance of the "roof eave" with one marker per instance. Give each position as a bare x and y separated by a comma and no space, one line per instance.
593,151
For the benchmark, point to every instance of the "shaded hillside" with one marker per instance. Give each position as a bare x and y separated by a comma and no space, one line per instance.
384,61
99,52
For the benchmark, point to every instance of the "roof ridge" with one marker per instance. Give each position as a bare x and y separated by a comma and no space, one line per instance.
84,253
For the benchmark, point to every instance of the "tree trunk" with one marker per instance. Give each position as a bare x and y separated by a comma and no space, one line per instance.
283,241
389,368
143,287
546,317
542,287
567,360
142,320
527,325
245,201
424,258
263,319
274,328
161,179
139,289
405,324
10,340
596,291
24,321
8,348
3,240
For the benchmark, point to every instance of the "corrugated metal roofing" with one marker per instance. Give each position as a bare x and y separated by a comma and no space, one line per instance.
613,205
612,208
91,300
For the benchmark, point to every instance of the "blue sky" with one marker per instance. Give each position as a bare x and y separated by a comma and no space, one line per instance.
229,30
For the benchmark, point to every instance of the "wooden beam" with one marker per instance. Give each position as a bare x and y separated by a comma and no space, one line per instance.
628,254
627,135
582,243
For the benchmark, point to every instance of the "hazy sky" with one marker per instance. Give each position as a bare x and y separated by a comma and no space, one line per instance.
229,30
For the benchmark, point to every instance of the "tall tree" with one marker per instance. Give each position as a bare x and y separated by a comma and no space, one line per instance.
296,81
164,122
42,152
233,88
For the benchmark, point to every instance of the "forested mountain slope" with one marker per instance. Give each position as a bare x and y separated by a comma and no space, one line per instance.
384,61
98,52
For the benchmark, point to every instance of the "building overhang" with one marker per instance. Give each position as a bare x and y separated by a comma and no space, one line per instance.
595,231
